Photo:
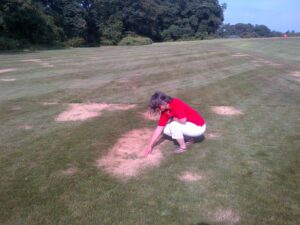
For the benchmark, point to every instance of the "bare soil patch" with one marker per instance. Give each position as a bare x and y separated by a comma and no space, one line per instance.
296,74
213,135
126,159
256,61
270,63
226,110
81,112
16,108
275,64
31,60
8,79
239,55
49,103
47,65
25,127
44,64
7,70
226,216
70,171
189,176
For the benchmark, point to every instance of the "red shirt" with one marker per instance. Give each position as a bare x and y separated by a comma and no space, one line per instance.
180,110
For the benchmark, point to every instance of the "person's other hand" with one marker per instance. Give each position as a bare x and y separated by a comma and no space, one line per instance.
147,151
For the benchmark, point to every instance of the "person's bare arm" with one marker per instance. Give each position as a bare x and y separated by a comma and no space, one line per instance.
155,136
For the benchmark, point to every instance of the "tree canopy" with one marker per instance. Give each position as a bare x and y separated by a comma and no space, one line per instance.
93,22
107,21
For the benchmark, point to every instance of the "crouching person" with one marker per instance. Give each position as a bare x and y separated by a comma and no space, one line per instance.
177,120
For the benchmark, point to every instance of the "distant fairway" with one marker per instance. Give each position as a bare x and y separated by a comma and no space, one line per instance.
246,171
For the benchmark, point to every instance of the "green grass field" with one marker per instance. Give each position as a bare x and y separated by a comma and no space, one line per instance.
250,169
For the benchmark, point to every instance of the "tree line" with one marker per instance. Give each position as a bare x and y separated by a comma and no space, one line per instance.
25,23
248,30
95,22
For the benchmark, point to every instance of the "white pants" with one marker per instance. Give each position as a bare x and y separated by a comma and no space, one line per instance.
178,130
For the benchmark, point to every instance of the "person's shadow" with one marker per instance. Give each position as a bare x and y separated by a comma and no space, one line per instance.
197,139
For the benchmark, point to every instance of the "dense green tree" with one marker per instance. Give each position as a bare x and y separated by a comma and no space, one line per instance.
50,21
69,15
91,31
262,31
26,20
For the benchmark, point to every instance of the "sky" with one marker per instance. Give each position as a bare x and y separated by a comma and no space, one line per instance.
278,15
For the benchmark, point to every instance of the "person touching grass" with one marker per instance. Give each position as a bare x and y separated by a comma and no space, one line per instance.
177,120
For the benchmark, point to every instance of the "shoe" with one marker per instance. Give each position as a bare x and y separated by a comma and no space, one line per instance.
180,150
190,141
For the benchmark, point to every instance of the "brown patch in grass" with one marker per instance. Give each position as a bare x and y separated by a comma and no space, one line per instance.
7,70
125,159
189,176
275,64
213,135
256,61
150,116
81,112
31,60
70,171
8,79
239,55
226,216
16,108
296,74
270,63
47,65
49,103
226,110
25,127
44,64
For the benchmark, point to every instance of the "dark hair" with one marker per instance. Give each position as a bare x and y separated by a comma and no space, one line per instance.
157,99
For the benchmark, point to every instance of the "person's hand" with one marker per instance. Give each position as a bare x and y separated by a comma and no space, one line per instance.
147,151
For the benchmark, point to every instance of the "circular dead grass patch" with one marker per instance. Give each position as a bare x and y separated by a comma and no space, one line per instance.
296,74
81,112
25,127
39,61
226,110
226,216
240,55
189,176
31,60
213,135
70,171
256,61
270,63
49,103
47,65
278,65
8,79
7,70
125,159
16,108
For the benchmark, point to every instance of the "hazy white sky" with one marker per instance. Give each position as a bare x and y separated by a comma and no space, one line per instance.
279,15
